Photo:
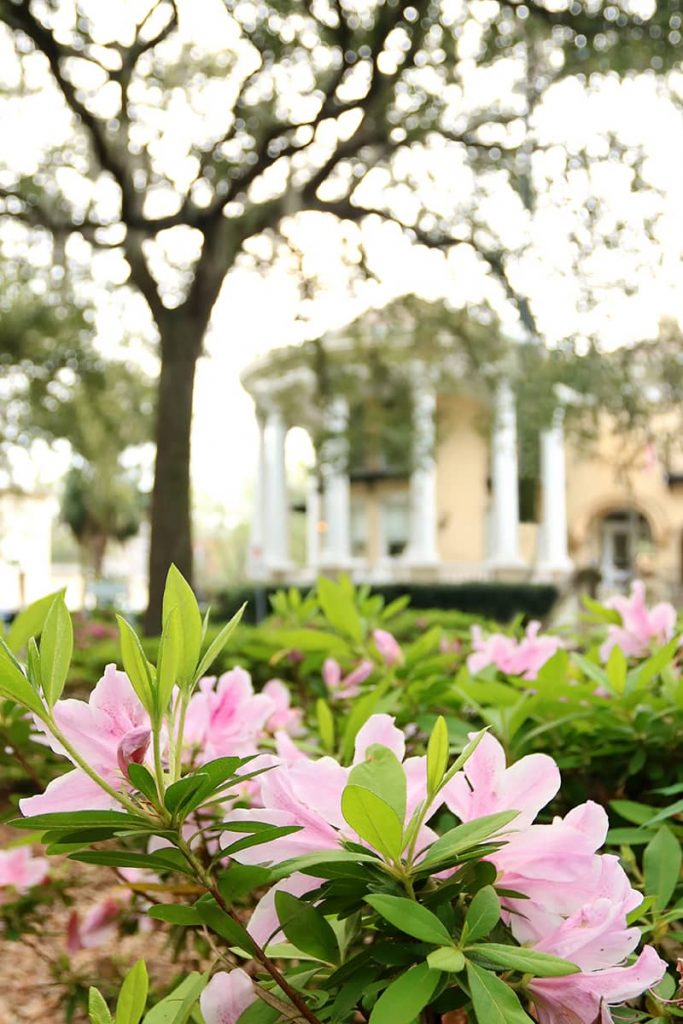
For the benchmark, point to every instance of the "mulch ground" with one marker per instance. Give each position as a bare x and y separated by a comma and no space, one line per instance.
38,975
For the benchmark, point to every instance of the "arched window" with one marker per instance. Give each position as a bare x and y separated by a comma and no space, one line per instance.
623,534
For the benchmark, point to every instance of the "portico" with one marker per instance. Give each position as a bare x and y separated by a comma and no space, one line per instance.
409,522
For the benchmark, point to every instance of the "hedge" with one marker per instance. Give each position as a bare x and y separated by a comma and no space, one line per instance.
498,601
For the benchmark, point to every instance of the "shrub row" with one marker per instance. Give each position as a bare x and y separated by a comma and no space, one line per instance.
498,601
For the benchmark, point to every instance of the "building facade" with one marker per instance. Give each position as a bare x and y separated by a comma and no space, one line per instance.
460,511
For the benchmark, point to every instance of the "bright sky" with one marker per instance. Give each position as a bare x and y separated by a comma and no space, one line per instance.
257,312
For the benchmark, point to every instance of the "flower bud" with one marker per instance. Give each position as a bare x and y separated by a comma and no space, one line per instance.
388,647
331,673
132,748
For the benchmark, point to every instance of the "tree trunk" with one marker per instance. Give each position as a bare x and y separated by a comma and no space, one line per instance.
171,519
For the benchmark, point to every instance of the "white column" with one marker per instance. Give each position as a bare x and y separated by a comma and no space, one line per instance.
313,514
504,484
277,501
257,537
336,488
422,545
553,556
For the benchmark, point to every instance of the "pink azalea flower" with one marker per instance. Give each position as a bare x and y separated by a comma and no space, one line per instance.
576,901
227,717
284,717
20,871
264,924
344,687
586,998
226,997
332,673
523,658
105,730
100,925
388,647
486,785
641,627
308,793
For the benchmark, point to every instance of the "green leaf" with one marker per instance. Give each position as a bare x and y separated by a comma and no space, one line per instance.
119,820
180,793
437,755
15,686
135,664
56,648
241,879
617,667
178,595
600,612
178,1005
464,757
382,774
132,1000
29,622
311,862
411,918
593,671
639,678
630,810
259,1013
466,837
374,820
35,674
446,959
224,925
167,662
161,860
494,1002
175,913
358,716
339,609
98,1011
528,961
662,866
325,724
217,645
406,997
143,781
482,916
306,928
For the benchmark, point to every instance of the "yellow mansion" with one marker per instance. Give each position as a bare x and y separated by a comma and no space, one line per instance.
457,510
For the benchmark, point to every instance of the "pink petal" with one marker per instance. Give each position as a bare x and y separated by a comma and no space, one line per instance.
264,925
379,729
74,791
226,997
332,673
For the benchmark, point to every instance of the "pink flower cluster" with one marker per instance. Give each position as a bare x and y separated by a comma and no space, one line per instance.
575,900
514,658
112,729
19,872
641,628
343,687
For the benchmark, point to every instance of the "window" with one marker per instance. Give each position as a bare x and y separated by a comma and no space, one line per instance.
528,499
395,525
359,531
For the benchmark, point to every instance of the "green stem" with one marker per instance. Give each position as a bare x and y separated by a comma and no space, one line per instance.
158,767
178,750
121,798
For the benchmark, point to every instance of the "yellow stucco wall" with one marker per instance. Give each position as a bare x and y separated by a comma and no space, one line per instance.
623,473
597,484
462,470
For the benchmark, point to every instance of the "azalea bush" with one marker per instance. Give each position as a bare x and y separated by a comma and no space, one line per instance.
375,834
